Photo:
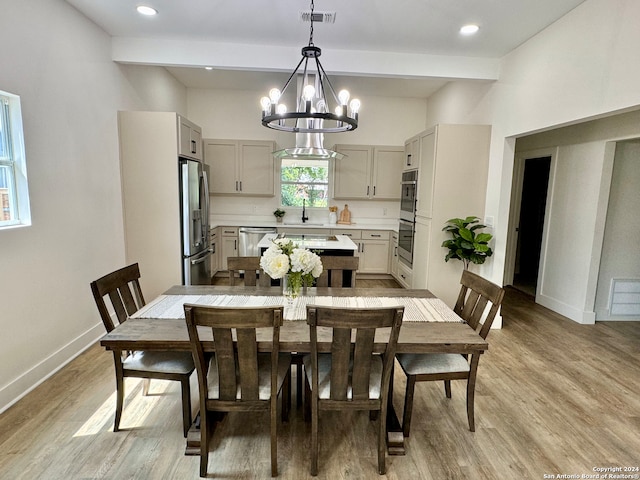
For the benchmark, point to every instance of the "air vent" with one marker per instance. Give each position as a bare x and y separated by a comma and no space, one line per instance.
320,17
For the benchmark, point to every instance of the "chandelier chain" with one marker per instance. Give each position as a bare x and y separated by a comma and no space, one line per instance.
311,29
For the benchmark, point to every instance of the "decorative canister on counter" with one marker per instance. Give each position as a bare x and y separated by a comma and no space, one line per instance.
333,215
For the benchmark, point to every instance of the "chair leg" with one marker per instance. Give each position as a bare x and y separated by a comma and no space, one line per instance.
299,380
307,401
186,405
408,405
204,441
447,388
274,434
382,443
314,435
471,387
146,382
286,397
119,402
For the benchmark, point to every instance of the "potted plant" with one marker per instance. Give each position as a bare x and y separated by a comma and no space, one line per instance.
467,244
279,213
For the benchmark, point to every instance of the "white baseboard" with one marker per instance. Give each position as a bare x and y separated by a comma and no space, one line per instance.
25,383
573,313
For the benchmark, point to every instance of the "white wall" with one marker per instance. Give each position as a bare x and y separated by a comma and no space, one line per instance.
60,64
235,114
584,65
620,251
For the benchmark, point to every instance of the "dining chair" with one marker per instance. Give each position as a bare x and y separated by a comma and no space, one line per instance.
475,294
333,269
237,377
253,273
351,376
123,289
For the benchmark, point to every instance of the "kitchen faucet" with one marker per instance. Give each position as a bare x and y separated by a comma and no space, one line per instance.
304,217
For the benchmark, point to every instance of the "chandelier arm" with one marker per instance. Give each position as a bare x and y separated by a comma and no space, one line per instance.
292,75
326,77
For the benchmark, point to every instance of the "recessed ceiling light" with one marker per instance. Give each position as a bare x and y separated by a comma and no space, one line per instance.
144,10
469,29
208,68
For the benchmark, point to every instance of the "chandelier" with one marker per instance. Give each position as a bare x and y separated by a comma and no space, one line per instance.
313,112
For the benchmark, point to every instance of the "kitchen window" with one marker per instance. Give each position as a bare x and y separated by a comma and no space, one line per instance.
304,180
14,193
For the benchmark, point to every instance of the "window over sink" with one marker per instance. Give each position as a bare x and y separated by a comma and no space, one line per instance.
306,180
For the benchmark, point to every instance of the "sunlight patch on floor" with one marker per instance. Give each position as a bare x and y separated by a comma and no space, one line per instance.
136,408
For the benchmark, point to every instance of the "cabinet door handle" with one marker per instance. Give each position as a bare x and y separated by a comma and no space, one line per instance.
374,190
367,189
236,185
409,160
235,245
375,235
240,185
193,146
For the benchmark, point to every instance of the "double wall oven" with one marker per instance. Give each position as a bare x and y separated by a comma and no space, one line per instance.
407,221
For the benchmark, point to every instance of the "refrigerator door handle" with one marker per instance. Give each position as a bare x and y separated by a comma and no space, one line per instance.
202,257
205,224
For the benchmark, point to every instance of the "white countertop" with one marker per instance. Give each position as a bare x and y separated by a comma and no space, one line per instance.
391,225
312,242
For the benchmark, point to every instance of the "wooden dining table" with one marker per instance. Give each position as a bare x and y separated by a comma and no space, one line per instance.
436,336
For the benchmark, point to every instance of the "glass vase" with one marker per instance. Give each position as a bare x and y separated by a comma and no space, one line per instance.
289,289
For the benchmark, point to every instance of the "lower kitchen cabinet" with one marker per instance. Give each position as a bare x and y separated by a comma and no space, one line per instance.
373,248
405,275
215,251
228,245
393,255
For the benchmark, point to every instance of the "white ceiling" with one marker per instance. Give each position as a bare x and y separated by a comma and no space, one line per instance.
408,37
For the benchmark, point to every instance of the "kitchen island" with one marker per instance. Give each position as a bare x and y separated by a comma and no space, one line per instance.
338,245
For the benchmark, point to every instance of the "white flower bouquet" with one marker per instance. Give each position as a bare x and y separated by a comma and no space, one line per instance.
294,265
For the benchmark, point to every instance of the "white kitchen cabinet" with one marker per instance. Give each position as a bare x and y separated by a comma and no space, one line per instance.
368,172
240,167
405,275
228,245
215,250
411,153
393,255
149,150
189,139
373,248
452,181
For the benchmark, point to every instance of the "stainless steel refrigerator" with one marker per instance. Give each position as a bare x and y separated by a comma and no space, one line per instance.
194,218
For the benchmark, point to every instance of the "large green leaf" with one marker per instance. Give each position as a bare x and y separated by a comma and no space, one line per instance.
466,234
484,237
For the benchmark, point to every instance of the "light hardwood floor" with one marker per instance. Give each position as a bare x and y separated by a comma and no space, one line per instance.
553,397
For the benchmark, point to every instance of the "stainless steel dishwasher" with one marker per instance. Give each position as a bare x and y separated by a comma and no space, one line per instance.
249,237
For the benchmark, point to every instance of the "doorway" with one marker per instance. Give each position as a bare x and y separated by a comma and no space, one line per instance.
529,222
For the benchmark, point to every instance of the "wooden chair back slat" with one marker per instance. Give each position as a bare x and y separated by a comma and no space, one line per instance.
340,356
362,362
248,362
225,362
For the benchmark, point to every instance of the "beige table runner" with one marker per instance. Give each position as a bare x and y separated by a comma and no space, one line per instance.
415,309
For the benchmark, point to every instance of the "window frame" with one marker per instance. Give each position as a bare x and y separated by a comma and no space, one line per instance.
14,162
327,184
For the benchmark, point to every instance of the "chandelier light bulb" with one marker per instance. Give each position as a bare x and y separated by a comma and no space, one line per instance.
274,95
308,92
265,103
343,96
338,110
281,109
355,106
320,106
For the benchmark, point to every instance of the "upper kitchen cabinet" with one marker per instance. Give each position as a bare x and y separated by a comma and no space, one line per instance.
368,172
189,139
240,167
411,153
